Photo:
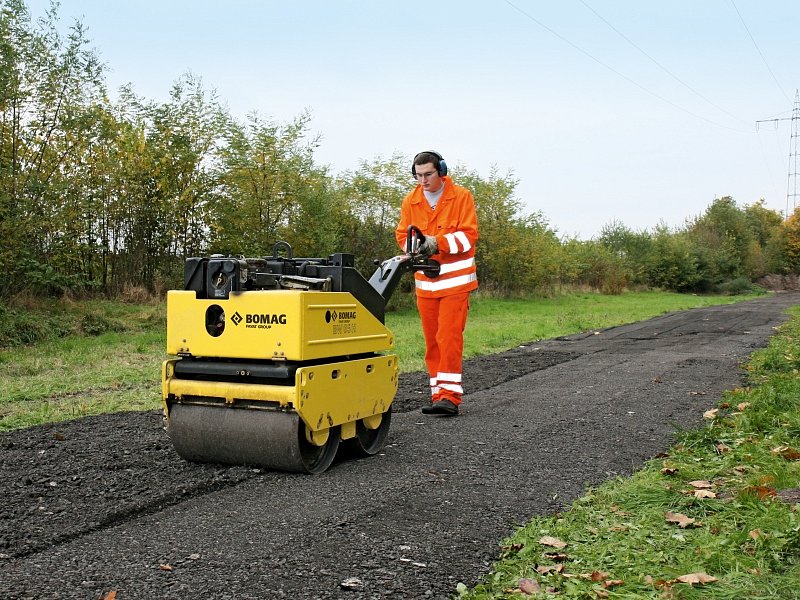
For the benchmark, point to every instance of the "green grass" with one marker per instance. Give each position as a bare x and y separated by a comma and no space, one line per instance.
727,477
106,356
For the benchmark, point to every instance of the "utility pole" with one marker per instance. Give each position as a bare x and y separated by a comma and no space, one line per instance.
794,134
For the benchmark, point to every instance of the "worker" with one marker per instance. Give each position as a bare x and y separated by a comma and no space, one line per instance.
445,213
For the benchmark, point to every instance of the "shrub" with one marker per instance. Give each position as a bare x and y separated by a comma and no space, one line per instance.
740,285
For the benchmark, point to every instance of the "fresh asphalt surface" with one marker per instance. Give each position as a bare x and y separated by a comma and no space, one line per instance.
103,504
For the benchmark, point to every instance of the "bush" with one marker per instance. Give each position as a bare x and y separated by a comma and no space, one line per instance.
740,285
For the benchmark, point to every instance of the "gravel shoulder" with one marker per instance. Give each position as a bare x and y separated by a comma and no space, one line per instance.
103,503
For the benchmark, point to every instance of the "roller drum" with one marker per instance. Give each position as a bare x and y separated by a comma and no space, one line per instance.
240,436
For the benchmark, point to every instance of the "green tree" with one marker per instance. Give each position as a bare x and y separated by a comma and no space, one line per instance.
516,253
370,199
724,239
271,190
47,84
673,264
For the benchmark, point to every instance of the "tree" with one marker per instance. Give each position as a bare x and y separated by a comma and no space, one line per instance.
46,84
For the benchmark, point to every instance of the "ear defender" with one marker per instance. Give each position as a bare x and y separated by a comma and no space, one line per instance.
441,166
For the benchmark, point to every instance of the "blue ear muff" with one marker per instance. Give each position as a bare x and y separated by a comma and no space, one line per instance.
441,166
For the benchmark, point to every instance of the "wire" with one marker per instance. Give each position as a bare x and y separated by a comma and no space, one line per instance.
747,29
613,70
660,66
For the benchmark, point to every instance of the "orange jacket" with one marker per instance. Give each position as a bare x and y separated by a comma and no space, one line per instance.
454,222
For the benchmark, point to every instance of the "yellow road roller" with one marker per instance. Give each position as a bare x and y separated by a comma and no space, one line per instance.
277,360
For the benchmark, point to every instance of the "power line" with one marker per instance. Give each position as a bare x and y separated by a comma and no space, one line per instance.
658,64
752,39
613,70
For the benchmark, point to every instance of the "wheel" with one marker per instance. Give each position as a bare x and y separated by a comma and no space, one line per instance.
317,451
370,441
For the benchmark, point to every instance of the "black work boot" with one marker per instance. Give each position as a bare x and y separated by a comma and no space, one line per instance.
443,407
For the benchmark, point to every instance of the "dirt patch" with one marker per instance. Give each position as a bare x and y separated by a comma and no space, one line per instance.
779,283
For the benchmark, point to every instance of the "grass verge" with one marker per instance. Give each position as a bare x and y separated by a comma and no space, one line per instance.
715,518
106,356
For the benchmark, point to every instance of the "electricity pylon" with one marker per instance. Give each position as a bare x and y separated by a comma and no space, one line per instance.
794,134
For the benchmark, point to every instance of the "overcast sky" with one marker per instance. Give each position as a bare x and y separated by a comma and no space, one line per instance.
638,111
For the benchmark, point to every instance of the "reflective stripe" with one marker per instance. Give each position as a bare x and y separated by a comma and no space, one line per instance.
445,284
433,381
435,390
456,266
462,237
452,387
451,242
452,377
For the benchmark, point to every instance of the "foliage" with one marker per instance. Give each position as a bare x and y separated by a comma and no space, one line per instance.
716,517
789,235
102,196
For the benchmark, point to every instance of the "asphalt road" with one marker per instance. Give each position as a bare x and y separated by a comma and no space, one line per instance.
103,504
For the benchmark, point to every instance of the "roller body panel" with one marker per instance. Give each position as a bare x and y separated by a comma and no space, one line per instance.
274,325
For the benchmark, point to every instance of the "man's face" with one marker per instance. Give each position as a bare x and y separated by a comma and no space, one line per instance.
428,177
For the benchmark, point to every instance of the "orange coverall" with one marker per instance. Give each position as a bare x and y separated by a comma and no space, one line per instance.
443,301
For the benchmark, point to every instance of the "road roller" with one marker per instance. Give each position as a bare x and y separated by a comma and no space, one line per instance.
277,361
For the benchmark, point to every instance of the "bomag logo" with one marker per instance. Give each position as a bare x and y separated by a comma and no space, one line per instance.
260,320
265,319
331,316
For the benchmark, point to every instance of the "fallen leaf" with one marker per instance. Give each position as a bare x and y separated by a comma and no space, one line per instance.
165,567
759,491
557,556
693,578
704,494
529,586
110,595
657,380
722,448
545,569
711,414
598,576
613,583
669,470
742,405
697,393
787,453
701,484
551,541
679,519
601,594
755,534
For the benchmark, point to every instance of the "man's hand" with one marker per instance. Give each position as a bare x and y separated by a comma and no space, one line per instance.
429,247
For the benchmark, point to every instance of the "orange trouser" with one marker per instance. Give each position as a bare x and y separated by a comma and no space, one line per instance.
443,322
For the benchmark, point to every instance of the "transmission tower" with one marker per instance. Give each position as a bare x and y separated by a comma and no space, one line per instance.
794,135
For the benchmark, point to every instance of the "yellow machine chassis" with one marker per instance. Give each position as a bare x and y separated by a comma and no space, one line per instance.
324,396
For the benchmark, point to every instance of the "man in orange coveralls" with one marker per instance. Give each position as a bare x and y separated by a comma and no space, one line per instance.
445,213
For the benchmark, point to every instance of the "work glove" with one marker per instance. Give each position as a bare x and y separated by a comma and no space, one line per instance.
428,247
